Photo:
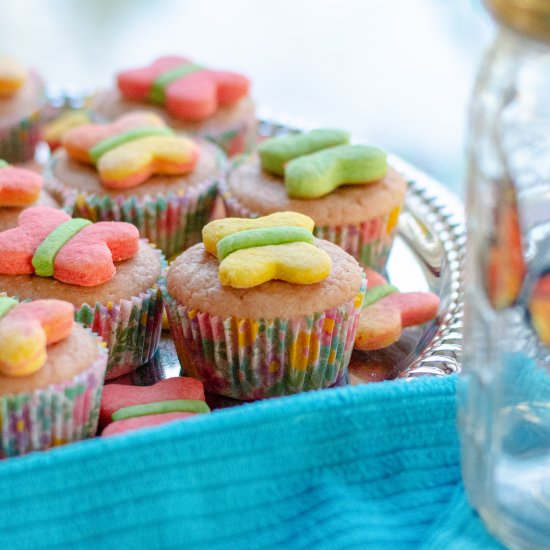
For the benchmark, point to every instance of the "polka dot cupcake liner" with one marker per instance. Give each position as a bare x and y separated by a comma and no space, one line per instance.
252,359
368,242
173,222
19,137
54,415
131,328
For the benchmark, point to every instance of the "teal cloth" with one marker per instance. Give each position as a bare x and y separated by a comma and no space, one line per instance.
372,466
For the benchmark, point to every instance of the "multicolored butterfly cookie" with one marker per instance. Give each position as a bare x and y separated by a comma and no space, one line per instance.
386,312
130,150
27,329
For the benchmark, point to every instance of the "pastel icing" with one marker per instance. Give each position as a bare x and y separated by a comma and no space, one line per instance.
161,407
189,91
217,230
18,187
318,174
12,76
86,258
130,150
276,152
279,246
27,329
261,237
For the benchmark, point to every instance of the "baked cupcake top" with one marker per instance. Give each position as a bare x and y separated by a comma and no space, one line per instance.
236,271
40,344
136,154
20,90
50,254
319,174
19,188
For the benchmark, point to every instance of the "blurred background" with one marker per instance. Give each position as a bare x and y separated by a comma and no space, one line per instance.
398,73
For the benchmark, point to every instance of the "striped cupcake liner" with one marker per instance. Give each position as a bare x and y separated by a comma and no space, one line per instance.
173,222
19,137
54,415
368,242
131,328
253,359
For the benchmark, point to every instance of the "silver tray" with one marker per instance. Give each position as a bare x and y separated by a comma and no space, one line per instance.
427,255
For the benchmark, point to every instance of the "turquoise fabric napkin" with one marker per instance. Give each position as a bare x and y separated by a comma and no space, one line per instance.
372,466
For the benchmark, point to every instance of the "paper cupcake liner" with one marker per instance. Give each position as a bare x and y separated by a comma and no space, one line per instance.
19,137
54,415
368,242
253,359
173,222
131,328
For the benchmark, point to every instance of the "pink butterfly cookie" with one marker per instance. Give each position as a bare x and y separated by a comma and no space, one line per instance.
190,92
49,242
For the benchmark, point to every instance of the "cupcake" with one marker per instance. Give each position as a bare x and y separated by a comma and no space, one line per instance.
262,308
21,101
20,189
51,376
138,171
212,104
51,255
350,192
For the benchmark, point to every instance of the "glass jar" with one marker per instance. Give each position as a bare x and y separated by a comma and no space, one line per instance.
504,389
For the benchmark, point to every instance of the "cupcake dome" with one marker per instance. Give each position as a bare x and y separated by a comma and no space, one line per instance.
58,402
225,115
361,218
21,101
272,339
169,208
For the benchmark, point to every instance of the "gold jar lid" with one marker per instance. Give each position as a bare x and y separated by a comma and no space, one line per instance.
529,17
